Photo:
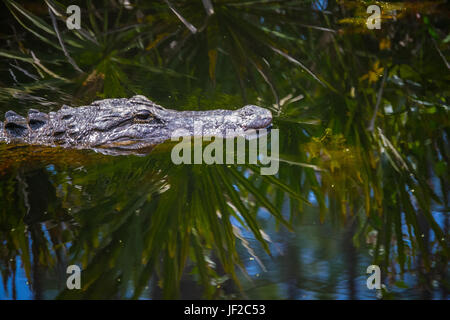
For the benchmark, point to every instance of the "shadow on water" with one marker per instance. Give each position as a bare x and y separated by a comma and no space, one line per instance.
363,176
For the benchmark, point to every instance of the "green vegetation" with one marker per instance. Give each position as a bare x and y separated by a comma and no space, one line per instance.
364,146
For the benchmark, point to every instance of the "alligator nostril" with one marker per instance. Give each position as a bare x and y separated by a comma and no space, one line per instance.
256,117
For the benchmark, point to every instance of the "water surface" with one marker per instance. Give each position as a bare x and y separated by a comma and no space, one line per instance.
363,178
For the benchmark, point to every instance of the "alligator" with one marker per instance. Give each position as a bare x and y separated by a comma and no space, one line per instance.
125,125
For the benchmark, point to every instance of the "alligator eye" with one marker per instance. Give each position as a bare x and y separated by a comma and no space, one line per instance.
144,116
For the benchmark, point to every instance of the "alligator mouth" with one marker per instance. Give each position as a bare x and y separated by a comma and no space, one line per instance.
132,143
265,123
125,146
121,150
124,142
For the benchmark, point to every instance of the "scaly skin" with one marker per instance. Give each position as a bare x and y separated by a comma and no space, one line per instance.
124,126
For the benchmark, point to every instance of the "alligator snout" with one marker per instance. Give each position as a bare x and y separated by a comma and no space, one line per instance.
255,117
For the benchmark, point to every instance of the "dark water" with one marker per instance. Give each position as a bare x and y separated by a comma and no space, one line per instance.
346,196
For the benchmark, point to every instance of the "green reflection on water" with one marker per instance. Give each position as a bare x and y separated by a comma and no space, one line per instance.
363,179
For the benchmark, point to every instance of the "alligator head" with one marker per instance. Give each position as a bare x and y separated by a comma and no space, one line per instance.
124,126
